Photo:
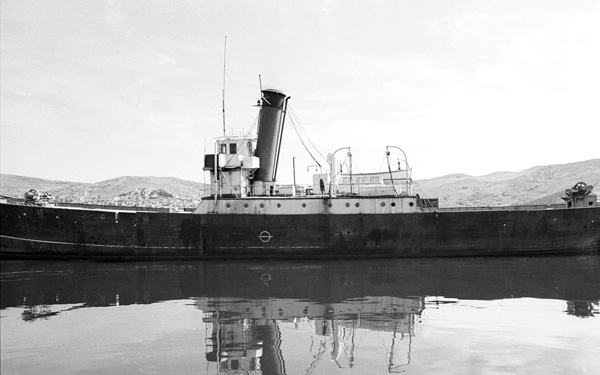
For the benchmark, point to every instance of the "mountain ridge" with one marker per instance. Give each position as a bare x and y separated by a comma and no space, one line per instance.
141,191
540,184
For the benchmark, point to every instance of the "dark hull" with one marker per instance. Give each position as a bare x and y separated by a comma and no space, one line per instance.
51,232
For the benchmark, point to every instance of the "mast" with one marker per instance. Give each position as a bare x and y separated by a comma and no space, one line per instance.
224,65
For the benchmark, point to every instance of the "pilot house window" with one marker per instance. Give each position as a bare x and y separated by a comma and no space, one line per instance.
223,148
232,148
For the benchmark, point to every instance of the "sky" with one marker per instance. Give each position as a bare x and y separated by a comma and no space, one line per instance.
92,90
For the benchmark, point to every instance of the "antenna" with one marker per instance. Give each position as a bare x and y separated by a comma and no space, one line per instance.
260,82
224,62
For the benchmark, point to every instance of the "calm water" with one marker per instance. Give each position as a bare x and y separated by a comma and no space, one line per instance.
441,316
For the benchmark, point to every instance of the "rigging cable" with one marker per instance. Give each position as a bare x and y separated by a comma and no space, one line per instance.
302,141
295,126
301,128
250,131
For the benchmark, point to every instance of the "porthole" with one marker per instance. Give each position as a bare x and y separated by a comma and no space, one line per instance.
329,205
245,205
278,205
393,204
228,205
382,204
304,205
411,204
262,205
356,204
347,204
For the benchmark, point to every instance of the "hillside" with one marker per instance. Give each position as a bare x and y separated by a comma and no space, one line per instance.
537,185
128,191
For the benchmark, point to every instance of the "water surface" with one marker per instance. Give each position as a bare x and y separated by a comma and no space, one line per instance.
414,316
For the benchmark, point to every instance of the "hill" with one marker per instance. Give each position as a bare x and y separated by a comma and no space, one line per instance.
537,185
128,190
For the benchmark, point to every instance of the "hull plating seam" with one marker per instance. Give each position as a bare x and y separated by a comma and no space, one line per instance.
90,244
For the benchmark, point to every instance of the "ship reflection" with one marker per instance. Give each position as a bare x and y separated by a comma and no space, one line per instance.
245,335
250,309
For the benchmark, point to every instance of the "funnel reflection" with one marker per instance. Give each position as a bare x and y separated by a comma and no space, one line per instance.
245,337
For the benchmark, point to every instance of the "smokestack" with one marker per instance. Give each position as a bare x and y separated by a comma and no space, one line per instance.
270,129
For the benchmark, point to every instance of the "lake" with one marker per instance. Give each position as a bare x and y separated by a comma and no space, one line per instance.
412,316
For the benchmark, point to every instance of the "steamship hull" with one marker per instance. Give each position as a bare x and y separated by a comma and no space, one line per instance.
53,232
247,217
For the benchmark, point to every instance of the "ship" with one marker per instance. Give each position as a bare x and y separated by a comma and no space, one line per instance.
340,216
